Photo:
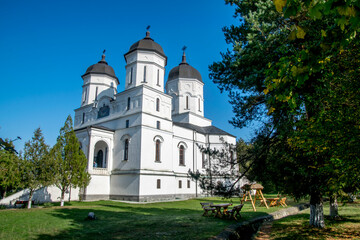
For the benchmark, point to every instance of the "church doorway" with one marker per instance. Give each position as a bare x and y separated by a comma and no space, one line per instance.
100,155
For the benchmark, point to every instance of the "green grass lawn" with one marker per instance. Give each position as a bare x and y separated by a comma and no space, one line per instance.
297,226
118,220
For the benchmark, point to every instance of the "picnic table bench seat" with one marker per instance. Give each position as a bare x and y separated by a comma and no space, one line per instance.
234,213
23,202
207,209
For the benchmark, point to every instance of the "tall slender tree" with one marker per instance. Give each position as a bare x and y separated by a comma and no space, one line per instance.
37,170
69,160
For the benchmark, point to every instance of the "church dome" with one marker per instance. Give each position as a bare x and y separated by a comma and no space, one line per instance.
101,67
147,44
184,70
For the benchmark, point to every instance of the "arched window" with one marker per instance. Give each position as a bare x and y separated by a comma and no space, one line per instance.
131,76
182,155
199,103
187,102
158,77
126,149
158,104
157,150
128,103
144,73
98,163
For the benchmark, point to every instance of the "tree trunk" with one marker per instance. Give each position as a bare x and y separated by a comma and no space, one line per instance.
62,197
70,194
4,193
30,198
196,188
334,211
316,211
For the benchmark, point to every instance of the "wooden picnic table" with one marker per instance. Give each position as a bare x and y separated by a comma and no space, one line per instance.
218,209
273,201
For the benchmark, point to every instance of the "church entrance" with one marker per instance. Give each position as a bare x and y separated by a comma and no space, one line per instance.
100,155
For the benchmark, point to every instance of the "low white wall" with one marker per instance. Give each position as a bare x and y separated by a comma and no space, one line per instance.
46,194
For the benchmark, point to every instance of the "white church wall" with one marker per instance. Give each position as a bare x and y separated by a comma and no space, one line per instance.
148,149
124,184
149,99
134,136
99,185
148,184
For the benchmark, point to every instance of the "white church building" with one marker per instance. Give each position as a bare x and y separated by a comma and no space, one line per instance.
141,142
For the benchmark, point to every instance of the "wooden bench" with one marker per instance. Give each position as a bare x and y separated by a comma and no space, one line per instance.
206,207
23,202
234,213
282,202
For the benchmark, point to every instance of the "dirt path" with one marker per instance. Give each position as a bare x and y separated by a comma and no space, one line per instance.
264,231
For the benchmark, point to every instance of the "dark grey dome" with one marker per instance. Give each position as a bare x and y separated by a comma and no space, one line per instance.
101,67
147,44
184,70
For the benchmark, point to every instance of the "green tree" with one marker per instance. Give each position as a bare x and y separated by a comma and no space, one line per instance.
279,73
10,168
69,160
36,165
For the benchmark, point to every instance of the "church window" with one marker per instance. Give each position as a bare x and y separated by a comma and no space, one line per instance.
103,111
127,124
187,102
180,184
128,104
131,76
199,103
144,73
126,149
158,124
158,77
157,151
85,93
158,183
158,104
203,160
182,156
188,183
83,117
96,93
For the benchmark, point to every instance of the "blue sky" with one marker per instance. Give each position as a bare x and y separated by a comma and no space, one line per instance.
47,45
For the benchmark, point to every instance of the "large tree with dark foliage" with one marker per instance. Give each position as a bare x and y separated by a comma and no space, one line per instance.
294,69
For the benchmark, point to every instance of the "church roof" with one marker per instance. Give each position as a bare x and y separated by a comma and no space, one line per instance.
147,44
210,130
101,67
184,70
98,127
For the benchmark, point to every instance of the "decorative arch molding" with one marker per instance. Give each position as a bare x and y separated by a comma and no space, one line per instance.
188,94
102,140
126,136
158,137
181,143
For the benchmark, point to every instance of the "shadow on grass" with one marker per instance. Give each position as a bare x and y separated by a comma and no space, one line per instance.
133,221
297,227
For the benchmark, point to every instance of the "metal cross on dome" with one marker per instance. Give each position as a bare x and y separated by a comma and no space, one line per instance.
184,48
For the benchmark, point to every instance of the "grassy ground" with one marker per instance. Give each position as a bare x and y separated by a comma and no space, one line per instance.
297,226
117,220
